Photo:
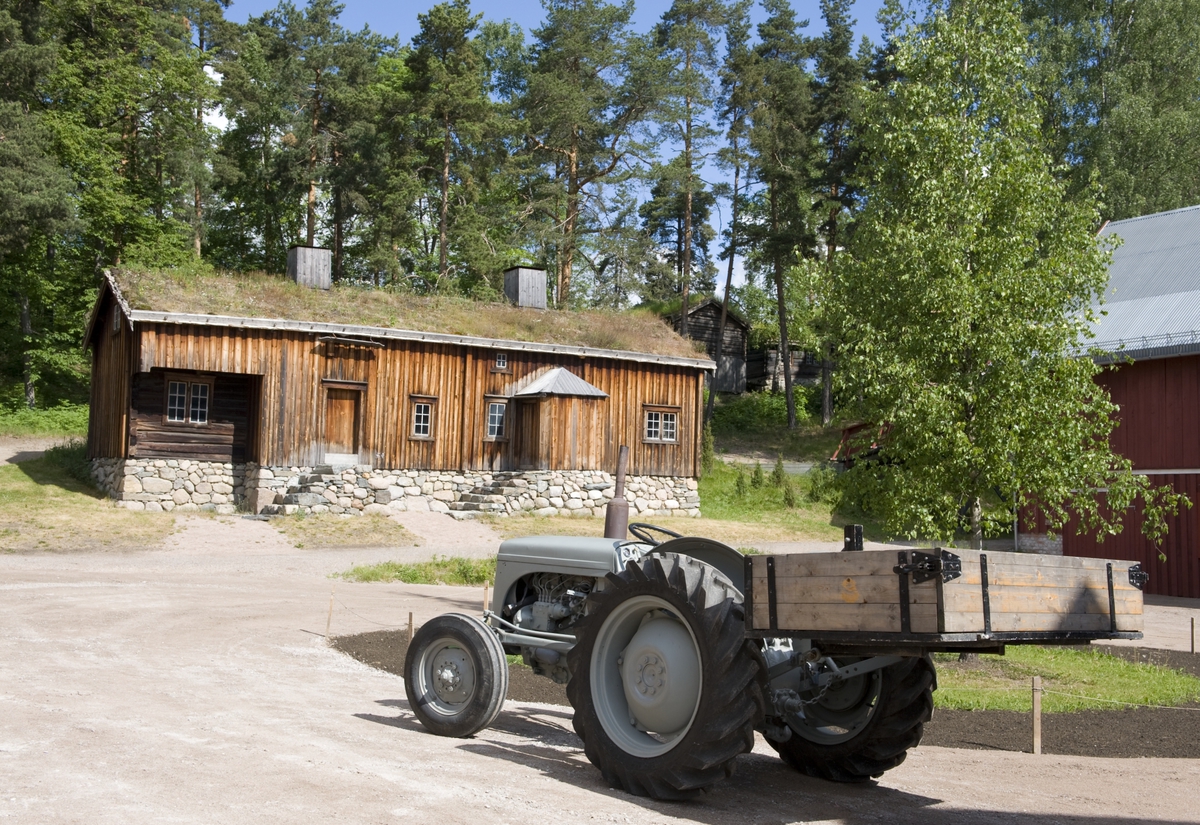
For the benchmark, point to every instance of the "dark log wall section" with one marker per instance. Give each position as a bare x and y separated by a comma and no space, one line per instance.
226,436
703,325
1159,432
296,371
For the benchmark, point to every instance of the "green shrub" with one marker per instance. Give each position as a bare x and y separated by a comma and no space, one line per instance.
764,412
778,476
789,494
65,419
757,479
822,484
740,484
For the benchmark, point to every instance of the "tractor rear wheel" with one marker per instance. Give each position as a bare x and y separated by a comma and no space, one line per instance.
666,688
863,726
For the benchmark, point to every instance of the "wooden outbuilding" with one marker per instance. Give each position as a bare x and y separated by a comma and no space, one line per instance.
1151,332
182,371
704,326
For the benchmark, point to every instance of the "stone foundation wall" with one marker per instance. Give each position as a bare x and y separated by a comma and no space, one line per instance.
161,484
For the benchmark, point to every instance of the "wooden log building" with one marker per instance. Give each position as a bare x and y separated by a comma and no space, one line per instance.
279,392
704,326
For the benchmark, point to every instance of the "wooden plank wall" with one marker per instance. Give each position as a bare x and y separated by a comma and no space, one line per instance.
296,366
705,323
1159,415
113,357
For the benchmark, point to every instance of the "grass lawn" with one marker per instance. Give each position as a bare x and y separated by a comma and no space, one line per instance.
1005,682
44,506
439,570
69,420
331,531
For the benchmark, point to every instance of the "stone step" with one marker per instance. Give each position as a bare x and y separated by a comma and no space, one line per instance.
305,499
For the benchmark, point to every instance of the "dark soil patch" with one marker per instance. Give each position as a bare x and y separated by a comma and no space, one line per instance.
385,649
1124,733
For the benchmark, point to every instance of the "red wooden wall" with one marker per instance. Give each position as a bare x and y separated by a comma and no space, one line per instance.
1159,432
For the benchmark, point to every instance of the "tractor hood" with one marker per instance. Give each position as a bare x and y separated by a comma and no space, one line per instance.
583,555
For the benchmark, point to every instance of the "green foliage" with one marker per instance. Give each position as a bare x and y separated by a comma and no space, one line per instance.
822,485
778,476
707,452
71,459
455,570
67,419
756,477
761,412
1003,682
964,299
789,494
740,485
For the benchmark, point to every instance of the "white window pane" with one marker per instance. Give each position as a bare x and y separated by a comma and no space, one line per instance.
199,409
502,361
176,401
653,420
422,418
495,423
668,426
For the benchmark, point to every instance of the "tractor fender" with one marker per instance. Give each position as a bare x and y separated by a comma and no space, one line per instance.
728,561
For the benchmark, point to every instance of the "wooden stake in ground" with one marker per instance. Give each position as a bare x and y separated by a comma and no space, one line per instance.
1037,714
329,620
410,630
1193,635
485,597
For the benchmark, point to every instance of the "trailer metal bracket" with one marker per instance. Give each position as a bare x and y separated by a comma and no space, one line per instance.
1138,577
927,566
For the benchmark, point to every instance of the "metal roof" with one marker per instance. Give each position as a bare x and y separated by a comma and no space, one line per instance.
1152,302
560,381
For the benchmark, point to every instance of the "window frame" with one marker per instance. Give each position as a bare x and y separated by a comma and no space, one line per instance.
488,403
190,382
661,410
497,366
413,402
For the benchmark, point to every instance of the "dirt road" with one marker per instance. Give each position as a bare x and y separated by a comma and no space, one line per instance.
193,684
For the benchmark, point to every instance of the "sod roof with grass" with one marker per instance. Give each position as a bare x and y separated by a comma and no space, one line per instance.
255,298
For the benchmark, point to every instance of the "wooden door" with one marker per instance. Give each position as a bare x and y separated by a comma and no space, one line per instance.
341,421
527,434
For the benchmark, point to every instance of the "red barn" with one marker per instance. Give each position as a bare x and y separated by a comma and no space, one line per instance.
1153,318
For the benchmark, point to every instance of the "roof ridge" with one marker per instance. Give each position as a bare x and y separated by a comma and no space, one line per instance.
1153,215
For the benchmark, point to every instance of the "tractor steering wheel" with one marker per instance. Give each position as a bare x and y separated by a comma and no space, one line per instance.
640,531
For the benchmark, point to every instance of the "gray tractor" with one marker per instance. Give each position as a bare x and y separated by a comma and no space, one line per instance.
668,686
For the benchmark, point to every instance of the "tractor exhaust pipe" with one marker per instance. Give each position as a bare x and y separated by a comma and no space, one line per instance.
616,514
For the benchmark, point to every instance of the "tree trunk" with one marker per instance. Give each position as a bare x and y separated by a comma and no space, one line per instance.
199,207
444,209
712,391
337,234
26,355
312,163
687,210
785,352
976,523
572,218
826,387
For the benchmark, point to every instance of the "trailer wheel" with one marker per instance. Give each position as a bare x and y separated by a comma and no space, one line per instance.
455,675
864,726
665,687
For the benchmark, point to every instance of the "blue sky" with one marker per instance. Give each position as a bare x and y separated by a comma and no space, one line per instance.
390,18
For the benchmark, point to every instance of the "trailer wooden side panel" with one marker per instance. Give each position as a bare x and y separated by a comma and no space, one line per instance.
943,595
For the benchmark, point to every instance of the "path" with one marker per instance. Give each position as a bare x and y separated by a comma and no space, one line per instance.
192,684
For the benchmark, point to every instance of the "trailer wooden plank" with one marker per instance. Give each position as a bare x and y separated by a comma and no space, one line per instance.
876,618
842,589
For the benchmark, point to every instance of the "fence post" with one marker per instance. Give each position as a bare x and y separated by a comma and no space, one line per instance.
329,619
1037,714
410,629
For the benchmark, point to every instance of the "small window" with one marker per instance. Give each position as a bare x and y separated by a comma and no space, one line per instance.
662,426
501,360
422,418
495,419
177,401
188,402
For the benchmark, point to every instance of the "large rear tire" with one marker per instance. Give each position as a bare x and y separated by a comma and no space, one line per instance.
864,727
455,675
666,688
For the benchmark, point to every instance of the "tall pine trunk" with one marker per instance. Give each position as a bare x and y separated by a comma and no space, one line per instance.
444,207
687,209
26,354
785,351
572,219
712,390
312,163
